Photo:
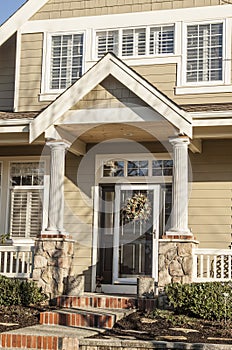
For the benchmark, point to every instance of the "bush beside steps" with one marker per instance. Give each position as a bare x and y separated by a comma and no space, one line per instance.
210,300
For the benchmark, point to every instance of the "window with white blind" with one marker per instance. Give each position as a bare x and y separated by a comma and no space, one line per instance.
132,42
107,41
26,198
161,40
204,52
66,63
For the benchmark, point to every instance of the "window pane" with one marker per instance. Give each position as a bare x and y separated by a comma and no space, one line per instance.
162,40
113,168
204,52
26,174
127,43
67,52
137,168
107,41
162,167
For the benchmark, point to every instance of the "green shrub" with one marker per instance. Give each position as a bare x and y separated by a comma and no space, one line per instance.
19,292
211,300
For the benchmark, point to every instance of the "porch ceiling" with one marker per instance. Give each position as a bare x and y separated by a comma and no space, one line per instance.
140,132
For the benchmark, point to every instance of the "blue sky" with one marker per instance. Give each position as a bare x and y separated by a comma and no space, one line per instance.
8,7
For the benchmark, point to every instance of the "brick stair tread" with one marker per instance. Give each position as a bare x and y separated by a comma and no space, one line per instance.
57,330
55,333
92,310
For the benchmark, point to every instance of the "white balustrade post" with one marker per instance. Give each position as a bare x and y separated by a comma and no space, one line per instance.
179,219
56,190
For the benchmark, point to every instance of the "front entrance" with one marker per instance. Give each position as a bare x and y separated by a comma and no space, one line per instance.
129,232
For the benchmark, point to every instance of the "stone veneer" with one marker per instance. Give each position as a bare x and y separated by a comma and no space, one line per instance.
175,261
53,264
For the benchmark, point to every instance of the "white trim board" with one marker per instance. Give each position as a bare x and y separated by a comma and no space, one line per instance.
23,14
144,18
111,65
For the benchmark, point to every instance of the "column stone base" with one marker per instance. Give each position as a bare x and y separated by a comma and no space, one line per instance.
175,261
53,263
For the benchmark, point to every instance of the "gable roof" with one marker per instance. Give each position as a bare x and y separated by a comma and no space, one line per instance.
111,65
26,11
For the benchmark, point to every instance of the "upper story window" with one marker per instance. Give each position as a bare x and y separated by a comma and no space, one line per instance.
204,52
107,41
132,42
66,60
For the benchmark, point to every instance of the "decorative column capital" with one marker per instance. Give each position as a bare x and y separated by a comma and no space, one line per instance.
58,144
179,140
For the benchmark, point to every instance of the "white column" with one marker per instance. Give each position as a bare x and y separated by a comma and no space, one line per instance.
179,219
56,190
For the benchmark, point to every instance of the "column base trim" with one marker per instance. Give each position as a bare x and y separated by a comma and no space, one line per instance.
179,232
54,234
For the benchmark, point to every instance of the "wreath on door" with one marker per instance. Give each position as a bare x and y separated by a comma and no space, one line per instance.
137,208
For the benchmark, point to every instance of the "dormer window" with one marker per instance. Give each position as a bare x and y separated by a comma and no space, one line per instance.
66,62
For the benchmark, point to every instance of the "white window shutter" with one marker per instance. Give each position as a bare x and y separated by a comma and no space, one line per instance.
26,212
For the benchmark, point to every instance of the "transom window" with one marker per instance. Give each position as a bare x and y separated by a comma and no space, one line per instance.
204,52
26,195
66,60
136,41
122,168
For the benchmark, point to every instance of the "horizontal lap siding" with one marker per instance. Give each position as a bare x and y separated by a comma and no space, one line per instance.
80,8
30,72
78,219
211,194
7,74
163,77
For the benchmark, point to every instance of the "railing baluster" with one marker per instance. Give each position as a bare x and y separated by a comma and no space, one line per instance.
222,266
215,266
23,262
5,262
208,267
11,262
229,267
17,263
201,265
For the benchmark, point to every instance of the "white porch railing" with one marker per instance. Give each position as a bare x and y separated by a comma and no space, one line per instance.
212,265
16,261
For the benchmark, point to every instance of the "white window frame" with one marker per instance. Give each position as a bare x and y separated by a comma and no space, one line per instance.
101,158
147,42
44,187
46,91
200,87
5,195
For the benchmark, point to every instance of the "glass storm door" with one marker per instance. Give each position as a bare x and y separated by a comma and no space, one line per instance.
136,225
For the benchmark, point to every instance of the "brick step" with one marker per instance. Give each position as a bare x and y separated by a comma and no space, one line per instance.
87,317
97,301
44,337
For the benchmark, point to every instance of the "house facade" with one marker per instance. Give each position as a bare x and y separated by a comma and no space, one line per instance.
116,140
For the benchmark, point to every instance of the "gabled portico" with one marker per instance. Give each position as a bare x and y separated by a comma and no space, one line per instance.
112,102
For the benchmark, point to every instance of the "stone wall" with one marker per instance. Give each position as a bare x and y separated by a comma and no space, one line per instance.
175,261
53,267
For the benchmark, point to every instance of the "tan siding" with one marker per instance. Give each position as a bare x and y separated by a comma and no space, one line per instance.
163,77
80,8
7,74
211,194
78,219
30,72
